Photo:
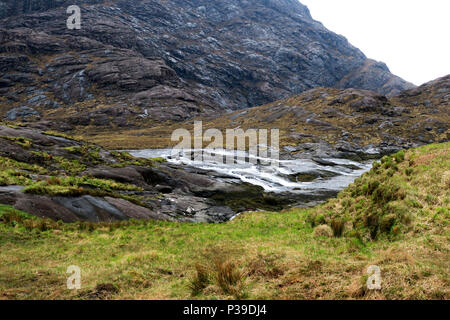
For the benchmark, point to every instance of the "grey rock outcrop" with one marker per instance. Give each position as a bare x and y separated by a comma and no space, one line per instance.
167,192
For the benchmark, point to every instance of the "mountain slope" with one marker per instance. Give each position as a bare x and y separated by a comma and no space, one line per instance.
170,60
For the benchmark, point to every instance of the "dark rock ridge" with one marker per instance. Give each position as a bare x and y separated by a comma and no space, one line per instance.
169,60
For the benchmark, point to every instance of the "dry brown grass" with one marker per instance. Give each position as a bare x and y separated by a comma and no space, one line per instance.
426,159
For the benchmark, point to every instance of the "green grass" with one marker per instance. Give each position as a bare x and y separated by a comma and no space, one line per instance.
125,159
69,166
17,173
23,142
14,177
75,186
7,163
12,124
264,256
61,135
259,255
89,153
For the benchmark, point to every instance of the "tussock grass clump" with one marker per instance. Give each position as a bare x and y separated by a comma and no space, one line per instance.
200,281
218,271
337,226
229,277
323,231
223,274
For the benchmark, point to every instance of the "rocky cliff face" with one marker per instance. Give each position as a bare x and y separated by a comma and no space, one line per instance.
10,8
169,60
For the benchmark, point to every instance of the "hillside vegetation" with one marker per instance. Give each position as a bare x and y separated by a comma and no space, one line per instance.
340,118
396,217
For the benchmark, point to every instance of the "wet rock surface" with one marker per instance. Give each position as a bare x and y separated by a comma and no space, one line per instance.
169,192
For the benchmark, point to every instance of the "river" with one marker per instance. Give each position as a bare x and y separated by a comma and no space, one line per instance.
300,176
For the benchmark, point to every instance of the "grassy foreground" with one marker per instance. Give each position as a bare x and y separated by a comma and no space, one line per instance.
395,217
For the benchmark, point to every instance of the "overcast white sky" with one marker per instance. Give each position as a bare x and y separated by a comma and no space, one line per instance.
411,36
